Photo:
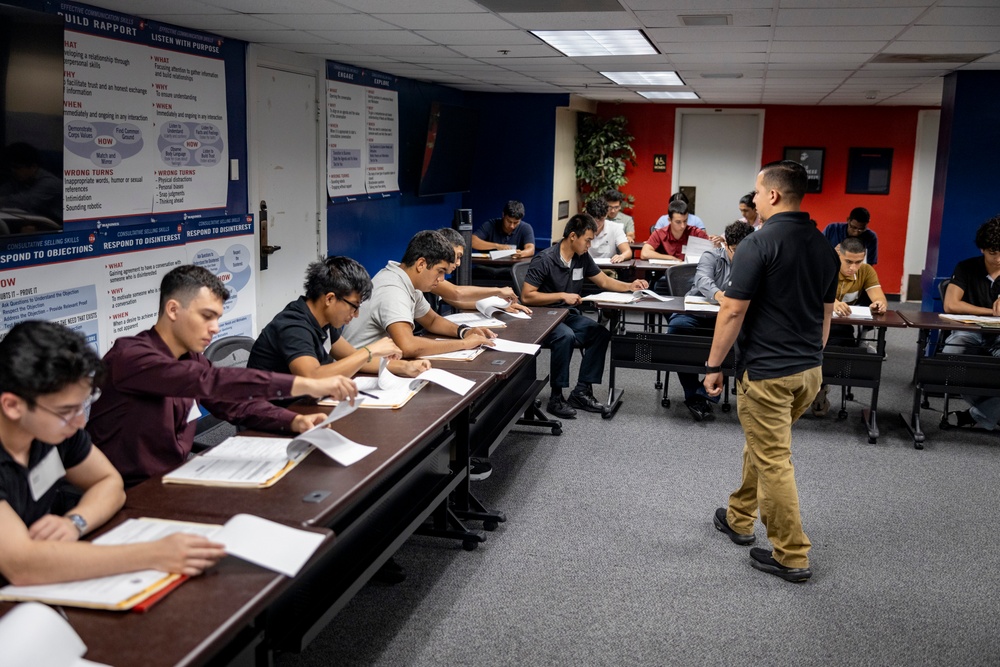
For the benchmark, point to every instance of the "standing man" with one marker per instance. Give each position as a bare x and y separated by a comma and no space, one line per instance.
145,419
975,290
779,302
856,226
615,214
555,278
506,233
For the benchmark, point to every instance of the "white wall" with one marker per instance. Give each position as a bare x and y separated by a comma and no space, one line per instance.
564,168
921,194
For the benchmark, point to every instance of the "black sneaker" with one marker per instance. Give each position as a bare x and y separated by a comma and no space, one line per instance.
587,402
699,408
479,469
722,525
558,406
763,560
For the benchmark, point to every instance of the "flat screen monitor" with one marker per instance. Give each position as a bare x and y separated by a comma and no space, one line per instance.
31,121
450,150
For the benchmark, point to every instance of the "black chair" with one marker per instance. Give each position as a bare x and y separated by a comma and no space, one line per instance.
518,272
228,352
680,278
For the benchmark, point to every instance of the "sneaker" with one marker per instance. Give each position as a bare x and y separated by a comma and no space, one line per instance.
964,420
479,469
586,402
699,408
722,525
821,404
558,406
763,560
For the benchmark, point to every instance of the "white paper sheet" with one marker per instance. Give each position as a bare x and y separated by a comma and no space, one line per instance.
271,545
858,312
501,345
695,247
474,320
32,635
500,254
664,262
700,304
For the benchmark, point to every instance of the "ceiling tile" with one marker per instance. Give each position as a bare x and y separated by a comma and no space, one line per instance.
739,19
493,51
149,8
838,46
375,39
481,37
972,16
571,20
722,58
456,21
855,16
943,47
951,33
708,34
314,22
411,6
685,6
270,36
829,34
715,47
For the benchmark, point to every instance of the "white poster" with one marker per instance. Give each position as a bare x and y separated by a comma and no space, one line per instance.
227,252
383,140
345,132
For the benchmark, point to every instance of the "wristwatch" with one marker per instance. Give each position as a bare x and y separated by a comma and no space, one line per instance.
462,328
79,522
712,369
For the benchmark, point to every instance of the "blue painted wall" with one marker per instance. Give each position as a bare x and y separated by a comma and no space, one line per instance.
514,160
966,176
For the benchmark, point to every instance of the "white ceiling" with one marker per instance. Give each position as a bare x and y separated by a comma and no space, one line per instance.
805,52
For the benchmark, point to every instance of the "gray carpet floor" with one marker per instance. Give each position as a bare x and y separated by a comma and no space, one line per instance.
609,556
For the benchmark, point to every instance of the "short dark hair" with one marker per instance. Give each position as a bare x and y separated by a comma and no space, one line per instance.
185,281
579,224
736,232
514,209
452,236
613,195
860,214
677,206
747,200
431,246
851,244
341,276
21,154
787,177
38,358
988,234
680,196
596,208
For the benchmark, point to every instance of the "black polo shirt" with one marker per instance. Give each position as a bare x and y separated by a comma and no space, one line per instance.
971,275
14,486
293,333
549,273
788,271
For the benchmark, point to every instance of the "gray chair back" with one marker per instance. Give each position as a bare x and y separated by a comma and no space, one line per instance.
681,278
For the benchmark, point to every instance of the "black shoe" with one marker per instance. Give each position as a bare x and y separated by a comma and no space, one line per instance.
587,402
964,419
699,408
390,573
558,406
762,560
479,469
722,525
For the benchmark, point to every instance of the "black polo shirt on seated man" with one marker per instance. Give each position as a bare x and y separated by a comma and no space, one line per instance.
293,333
549,273
782,332
14,486
974,279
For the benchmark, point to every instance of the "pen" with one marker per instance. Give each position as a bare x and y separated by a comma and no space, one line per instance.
365,393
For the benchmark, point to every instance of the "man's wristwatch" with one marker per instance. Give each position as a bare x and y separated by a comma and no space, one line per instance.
79,522
462,328
712,369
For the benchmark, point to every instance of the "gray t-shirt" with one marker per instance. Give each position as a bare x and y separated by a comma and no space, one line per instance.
394,299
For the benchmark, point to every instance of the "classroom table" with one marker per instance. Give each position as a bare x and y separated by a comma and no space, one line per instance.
949,374
495,265
218,616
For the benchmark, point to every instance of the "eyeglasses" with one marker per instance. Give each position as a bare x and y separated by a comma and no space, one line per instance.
67,416
614,207
857,226
355,306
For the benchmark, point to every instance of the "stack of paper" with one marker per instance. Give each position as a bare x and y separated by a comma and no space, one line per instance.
625,297
500,254
988,321
393,392
271,545
475,320
700,304
858,312
259,462
664,262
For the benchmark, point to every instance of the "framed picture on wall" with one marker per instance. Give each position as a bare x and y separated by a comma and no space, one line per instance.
812,160
869,171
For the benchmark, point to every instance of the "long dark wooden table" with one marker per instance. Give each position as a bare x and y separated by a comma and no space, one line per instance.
949,374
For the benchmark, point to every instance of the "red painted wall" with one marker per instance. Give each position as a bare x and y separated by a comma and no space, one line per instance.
834,128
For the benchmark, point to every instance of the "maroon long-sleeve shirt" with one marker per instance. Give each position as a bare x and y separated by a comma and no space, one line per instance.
142,421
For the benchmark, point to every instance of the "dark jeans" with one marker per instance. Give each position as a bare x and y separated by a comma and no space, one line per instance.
591,336
687,324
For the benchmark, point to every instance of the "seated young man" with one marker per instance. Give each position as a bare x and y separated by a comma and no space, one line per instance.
855,227
555,278
692,219
710,278
615,214
398,303
668,242
506,233
464,297
975,290
47,375
145,419
854,280
295,340
610,241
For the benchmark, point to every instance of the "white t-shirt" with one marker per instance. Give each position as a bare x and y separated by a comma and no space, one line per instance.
605,245
394,299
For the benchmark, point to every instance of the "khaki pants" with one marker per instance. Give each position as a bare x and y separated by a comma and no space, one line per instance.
767,410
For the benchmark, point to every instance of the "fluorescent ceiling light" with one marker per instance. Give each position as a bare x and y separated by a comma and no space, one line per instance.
664,95
577,43
645,78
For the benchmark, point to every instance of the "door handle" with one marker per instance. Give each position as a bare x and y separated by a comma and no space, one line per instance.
265,249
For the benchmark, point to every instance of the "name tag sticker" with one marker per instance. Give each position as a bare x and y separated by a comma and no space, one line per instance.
48,471
578,274
195,413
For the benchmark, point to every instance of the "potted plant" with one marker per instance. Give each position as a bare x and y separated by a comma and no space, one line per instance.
603,145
